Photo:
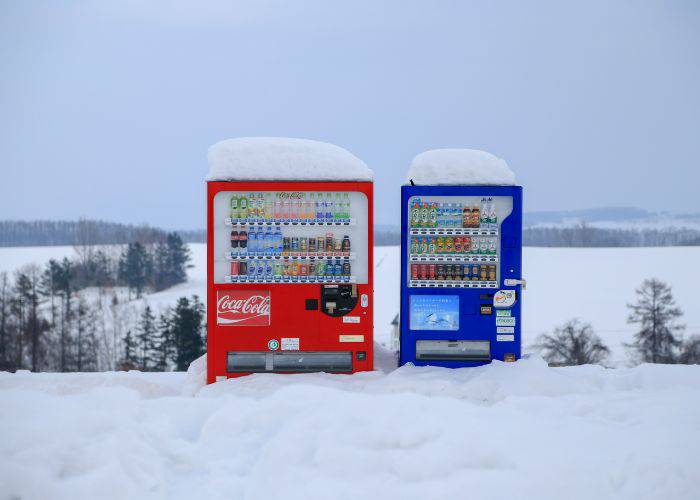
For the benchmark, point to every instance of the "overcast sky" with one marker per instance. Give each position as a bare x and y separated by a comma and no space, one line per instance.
107,110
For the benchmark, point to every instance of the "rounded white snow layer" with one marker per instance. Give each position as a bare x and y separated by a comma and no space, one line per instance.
463,167
520,430
283,159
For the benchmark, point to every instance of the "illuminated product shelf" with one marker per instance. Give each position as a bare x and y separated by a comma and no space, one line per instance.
452,231
289,222
451,284
466,258
291,280
293,256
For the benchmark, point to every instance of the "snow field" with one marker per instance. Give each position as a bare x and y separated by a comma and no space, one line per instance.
521,430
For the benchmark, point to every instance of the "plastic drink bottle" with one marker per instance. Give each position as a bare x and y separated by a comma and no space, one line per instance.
329,207
243,207
346,197
242,241
234,206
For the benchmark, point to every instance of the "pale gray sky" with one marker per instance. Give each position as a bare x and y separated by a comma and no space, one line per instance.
107,109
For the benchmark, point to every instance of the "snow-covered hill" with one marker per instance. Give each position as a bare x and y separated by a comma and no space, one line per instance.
594,284
520,430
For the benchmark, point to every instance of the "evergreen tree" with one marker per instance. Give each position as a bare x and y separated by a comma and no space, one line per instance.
574,343
135,267
186,322
146,340
179,256
28,285
5,333
656,314
165,345
64,285
130,349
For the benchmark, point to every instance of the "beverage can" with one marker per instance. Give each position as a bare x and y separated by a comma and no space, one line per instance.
346,268
414,271
242,269
431,245
234,268
303,269
423,273
431,271
303,244
312,245
440,271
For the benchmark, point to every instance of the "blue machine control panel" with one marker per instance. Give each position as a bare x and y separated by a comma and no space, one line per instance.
461,253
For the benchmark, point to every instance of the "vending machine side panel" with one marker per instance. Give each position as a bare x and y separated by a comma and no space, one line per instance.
479,325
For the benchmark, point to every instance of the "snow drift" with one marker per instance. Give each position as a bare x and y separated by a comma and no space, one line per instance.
460,167
282,159
520,430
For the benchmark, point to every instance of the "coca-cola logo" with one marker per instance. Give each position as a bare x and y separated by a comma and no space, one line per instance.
294,195
243,308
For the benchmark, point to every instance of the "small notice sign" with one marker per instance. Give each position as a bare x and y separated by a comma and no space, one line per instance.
505,338
505,329
290,344
503,312
351,319
351,338
501,321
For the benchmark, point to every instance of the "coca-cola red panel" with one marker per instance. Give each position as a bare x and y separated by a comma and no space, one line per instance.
243,307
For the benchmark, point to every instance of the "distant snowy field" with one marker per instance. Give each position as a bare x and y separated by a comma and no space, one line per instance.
593,284
520,430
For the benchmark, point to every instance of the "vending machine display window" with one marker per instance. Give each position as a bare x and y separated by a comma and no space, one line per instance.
455,241
290,237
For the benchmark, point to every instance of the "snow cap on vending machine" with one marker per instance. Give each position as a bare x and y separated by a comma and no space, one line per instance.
298,296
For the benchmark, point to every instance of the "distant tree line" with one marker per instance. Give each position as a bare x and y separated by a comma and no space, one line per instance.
95,232
75,314
584,235
658,338
45,325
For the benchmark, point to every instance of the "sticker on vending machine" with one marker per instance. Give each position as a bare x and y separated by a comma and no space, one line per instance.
504,298
290,343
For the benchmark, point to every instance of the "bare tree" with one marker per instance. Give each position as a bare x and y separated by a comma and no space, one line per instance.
573,343
656,314
690,351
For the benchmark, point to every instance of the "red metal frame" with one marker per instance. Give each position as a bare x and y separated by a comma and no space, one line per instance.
288,315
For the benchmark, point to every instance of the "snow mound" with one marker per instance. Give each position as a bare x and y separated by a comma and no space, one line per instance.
416,432
461,167
196,377
283,159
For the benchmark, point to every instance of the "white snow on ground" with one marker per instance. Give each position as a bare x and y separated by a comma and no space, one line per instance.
594,284
461,167
278,158
518,430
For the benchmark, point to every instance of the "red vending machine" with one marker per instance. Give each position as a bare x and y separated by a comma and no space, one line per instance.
289,273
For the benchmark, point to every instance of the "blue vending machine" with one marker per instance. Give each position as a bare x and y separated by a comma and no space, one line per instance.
461,275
